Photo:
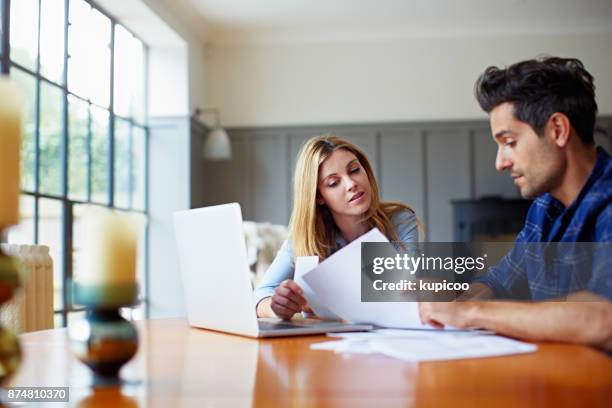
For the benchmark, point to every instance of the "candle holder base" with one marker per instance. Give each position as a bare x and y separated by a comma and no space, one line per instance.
10,351
10,354
106,381
104,341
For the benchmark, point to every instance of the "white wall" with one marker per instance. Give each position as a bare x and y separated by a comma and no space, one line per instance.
379,81
195,67
168,82
169,191
176,87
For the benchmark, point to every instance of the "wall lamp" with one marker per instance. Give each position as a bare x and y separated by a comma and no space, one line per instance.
217,144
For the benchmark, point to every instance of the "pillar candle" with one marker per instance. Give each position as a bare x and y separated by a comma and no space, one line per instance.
110,250
10,150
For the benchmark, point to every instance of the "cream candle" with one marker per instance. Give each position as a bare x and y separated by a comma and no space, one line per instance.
10,145
110,250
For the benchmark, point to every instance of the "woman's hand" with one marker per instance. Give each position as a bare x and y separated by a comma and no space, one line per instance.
308,309
287,299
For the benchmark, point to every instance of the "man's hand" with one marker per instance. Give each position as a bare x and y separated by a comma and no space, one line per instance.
440,314
584,318
287,299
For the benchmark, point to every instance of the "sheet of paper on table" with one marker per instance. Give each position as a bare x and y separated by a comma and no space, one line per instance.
426,345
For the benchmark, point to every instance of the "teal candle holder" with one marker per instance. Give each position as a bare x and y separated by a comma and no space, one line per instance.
10,350
104,341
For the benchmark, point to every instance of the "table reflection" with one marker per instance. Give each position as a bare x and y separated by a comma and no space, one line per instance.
108,397
300,376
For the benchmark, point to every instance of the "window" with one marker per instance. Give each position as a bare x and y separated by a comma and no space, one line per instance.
85,135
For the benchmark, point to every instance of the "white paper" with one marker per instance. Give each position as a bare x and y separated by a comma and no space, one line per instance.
436,347
304,264
337,284
386,333
425,345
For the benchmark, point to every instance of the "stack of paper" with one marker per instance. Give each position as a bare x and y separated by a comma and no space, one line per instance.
426,345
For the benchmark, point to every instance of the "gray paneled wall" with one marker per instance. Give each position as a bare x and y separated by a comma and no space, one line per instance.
425,165
402,171
267,179
448,177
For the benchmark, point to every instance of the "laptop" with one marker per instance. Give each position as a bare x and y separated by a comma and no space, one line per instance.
215,275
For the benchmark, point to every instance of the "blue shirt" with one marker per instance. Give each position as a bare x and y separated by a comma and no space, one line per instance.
536,269
283,266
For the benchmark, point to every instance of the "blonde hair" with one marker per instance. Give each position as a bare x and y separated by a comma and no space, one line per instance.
312,229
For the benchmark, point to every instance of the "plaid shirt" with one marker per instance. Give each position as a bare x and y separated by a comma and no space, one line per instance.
537,270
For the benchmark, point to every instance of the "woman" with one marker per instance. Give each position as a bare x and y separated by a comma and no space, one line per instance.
335,200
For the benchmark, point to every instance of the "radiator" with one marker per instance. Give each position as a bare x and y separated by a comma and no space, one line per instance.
32,307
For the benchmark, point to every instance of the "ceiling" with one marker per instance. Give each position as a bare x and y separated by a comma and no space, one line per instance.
293,20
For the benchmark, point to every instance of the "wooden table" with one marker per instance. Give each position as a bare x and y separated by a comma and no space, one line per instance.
178,366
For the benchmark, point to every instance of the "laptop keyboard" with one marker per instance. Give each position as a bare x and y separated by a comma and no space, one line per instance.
267,325
279,325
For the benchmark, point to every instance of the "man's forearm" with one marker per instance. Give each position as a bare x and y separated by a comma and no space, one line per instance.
588,322
477,291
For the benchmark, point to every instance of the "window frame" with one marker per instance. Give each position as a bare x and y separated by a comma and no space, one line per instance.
67,203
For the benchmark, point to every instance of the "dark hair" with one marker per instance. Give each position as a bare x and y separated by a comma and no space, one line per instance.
540,87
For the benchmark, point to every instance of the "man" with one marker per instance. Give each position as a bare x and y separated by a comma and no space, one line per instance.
542,116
